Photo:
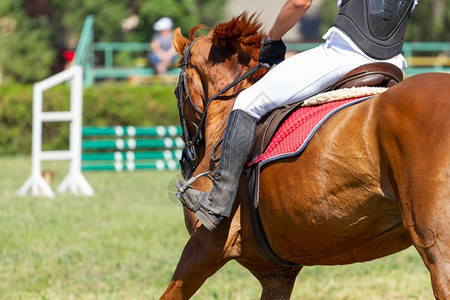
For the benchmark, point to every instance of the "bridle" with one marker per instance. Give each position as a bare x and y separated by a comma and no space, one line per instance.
189,159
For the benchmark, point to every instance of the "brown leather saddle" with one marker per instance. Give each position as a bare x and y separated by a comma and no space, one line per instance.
372,75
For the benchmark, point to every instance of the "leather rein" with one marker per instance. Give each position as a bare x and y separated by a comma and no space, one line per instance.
189,155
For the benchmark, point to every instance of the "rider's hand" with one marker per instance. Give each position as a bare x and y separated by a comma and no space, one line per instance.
272,52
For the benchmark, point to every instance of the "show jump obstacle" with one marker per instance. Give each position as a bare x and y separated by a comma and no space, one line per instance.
131,148
74,180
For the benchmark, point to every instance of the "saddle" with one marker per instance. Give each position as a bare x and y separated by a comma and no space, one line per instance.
370,75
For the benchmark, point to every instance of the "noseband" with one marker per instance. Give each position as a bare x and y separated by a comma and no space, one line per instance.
189,157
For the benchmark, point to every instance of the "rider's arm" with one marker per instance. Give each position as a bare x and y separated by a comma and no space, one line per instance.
289,15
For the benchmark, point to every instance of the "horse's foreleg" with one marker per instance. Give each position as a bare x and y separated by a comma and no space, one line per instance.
200,259
432,240
426,215
425,208
431,237
277,285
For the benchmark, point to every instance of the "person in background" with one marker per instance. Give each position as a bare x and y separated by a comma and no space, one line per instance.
163,54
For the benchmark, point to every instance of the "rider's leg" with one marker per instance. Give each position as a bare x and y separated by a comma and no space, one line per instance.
211,207
304,75
295,79
236,146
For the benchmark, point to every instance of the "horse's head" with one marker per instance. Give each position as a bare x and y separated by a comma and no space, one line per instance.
209,64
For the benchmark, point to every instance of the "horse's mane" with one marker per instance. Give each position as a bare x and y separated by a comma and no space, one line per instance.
240,34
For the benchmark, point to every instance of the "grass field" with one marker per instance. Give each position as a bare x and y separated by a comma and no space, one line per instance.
124,243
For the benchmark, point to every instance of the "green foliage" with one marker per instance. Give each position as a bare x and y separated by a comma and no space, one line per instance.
430,21
104,105
15,119
27,54
328,13
108,15
33,48
130,105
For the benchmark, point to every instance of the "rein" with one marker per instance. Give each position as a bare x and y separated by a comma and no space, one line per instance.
189,153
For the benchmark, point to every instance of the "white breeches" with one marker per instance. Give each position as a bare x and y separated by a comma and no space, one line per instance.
302,76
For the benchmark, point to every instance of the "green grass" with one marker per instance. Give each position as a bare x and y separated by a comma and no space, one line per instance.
124,243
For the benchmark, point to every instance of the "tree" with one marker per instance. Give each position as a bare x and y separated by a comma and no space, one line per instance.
25,53
430,21
32,50
34,33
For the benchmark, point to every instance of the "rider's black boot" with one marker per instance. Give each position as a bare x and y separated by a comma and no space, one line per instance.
211,207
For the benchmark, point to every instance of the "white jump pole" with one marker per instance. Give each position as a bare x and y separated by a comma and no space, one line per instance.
74,180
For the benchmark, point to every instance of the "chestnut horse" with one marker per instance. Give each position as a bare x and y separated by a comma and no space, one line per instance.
373,181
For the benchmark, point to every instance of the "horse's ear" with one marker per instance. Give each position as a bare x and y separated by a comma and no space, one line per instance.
179,41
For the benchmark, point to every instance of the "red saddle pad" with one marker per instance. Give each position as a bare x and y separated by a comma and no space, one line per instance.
295,133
